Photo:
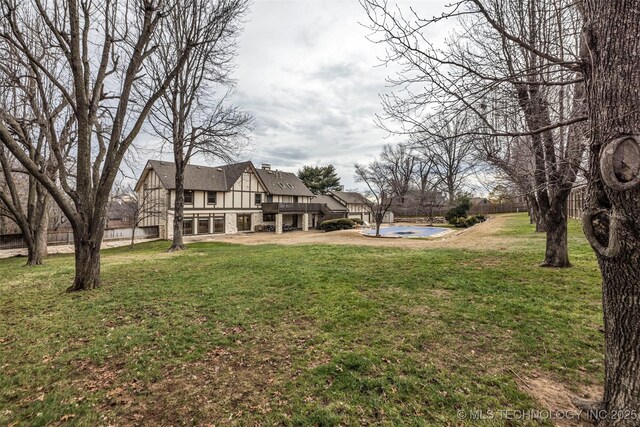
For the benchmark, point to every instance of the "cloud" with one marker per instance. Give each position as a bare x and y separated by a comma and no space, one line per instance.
311,79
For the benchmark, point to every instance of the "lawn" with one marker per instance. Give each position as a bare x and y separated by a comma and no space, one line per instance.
297,335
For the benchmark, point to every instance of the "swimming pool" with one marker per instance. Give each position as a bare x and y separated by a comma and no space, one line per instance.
407,231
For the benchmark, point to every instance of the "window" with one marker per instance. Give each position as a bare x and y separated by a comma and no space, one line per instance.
268,217
187,226
281,185
212,197
295,199
258,198
188,197
203,226
269,198
289,185
218,224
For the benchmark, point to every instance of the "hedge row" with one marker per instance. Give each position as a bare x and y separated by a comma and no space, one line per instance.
336,224
469,221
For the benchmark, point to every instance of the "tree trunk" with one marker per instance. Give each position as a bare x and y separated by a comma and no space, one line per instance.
87,250
557,249
612,213
40,237
133,234
37,251
178,244
537,217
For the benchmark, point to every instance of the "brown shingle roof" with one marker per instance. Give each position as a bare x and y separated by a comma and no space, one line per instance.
331,203
349,196
283,183
204,178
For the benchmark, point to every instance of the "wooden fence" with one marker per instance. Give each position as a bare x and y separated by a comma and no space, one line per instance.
16,241
488,208
575,204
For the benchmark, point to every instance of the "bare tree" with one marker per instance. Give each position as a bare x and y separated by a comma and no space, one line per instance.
400,165
189,118
430,197
23,199
451,154
380,193
103,49
608,65
25,202
513,69
138,206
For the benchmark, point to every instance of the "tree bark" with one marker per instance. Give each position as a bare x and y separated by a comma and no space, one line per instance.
557,248
536,216
38,250
612,214
178,243
87,250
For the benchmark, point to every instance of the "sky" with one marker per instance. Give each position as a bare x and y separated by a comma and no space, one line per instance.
311,80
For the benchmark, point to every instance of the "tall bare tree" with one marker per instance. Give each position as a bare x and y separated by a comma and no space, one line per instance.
193,117
442,142
400,164
513,70
23,199
103,49
380,193
606,74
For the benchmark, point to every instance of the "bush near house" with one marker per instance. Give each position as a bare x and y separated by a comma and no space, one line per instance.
336,224
357,221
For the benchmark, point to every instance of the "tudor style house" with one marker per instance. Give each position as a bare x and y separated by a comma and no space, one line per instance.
354,203
229,199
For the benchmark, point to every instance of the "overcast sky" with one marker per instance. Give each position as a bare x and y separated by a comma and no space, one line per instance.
311,79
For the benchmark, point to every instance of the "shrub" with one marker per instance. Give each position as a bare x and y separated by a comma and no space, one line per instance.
460,210
481,217
357,221
460,222
471,221
336,224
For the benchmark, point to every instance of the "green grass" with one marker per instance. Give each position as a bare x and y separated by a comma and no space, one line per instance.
296,335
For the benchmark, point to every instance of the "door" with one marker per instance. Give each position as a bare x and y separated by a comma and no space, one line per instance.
244,222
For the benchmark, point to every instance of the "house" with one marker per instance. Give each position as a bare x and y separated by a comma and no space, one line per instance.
228,199
354,203
337,209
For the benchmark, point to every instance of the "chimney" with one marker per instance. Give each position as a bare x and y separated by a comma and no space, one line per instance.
266,166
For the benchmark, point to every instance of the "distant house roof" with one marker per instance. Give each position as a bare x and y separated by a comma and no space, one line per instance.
204,178
222,178
283,183
331,203
349,196
480,201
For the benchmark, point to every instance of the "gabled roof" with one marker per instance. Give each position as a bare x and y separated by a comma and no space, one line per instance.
331,203
204,178
283,183
349,197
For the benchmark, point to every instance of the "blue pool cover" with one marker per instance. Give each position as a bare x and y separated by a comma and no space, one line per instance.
406,231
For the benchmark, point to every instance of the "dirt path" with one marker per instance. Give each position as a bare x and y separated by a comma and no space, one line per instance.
479,236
